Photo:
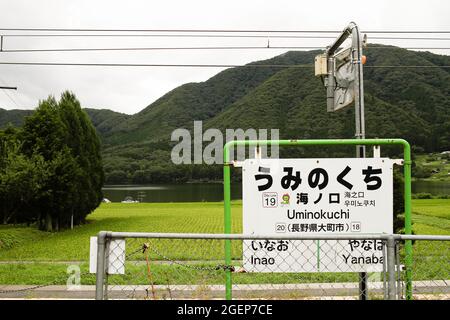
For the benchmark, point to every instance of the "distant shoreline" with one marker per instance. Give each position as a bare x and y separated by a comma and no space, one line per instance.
443,181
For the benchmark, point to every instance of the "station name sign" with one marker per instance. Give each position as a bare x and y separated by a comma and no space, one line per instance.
312,197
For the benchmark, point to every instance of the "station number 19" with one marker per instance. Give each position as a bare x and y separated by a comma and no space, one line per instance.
270,199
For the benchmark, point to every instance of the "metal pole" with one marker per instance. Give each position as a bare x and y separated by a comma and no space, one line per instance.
360,131
399,270
100,273
359,89
408,222
391,267
384,271
353,30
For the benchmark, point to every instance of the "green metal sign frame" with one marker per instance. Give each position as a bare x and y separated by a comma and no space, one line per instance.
320,142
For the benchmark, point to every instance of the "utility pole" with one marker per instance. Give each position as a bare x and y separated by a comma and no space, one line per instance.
1,49
343,72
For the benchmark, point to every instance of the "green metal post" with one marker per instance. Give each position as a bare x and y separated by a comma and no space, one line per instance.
408,223
407,176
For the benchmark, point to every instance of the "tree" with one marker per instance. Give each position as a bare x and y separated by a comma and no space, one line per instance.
20,184
43,135
63,136
116,176
84,143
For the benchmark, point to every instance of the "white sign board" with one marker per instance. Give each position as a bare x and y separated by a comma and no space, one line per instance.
312,197
115,254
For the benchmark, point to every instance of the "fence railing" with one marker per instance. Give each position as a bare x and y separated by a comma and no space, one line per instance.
192,266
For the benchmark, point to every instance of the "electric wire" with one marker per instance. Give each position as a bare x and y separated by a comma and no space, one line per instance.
219,30
256,36
199,65
198,48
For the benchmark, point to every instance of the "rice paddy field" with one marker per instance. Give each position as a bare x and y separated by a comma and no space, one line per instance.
29,256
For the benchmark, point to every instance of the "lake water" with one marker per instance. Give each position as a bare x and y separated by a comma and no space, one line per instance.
433,187
186,192
193,192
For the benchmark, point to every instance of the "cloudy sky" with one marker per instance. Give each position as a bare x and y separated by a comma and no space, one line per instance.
130,89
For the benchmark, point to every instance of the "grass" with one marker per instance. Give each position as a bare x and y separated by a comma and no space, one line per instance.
431,259
432,207
69,245
162,274
12,236
431,216
51,253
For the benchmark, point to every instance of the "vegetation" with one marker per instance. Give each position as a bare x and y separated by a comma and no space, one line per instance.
51,170
13,117
203,217
50,252
433,166
197,217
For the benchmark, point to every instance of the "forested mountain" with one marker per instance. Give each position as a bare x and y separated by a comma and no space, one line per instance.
402,100
104,120
13,117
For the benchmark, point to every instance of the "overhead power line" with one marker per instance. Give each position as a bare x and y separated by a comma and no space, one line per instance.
200,65
199,48
256,36
164,30
407,66
152,65
162,48
216,30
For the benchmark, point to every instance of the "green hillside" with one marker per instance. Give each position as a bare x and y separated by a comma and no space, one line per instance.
411,103
13,117
105,120
198,101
